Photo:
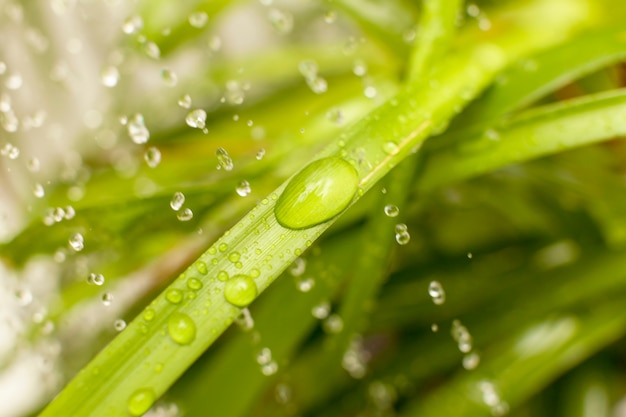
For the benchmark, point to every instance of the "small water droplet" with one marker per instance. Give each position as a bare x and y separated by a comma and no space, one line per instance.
181,328
201,267
359,68
333,324
77,242
269,368
132,25
69,212
319,192
402,234
436,292
471,361
194,284
174,295
24,297
330,16
245,320
177,201
470,255
185,101
260,154
149,314
281,21
107,299
169,77
434,327
185,215
38,191
109,76
321,310
390,147
318,84
152,156
305,284
335,115
33,165
462,336
391,210
140,401
264,356
298,267
235,94
95,279
215,43
223,159
198,19
240,290
243,189
196,119
152,50
10,151
119,325
370,92
137,129
14,81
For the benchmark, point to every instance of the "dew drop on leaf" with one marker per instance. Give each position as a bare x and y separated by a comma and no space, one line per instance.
140,401
240,290
174,295
181,328
316,194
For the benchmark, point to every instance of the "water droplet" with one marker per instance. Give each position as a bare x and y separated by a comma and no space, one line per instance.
174,295
260,154
282,394
335,115
185,215
321,310
305,284
243,189
181,328
222,276
360,68
9,121
152,50
318,84
436,292
132,25
470,255
390,147
316,194
77,242
10,151
223,159
177,201
196,119
141,401
269,368
402,234
149,314
333,324
152,156
244,320
215,43
391,210
240,290
95,279
201,267
194,284
235,94
38,191
14,81
462,336
434,327
169,77
281,21
198,19
298,267
69,212
370,92
24,297
471,361
185,101
119,325
137,129
107,299
264,356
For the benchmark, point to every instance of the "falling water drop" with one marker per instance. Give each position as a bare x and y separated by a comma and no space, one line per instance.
436,292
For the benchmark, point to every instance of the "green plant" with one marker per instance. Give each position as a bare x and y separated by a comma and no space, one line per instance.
407,218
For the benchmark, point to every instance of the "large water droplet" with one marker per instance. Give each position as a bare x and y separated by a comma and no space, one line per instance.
177,201
240,290
391,210
319,192
436,292
181,328
196,118
141,401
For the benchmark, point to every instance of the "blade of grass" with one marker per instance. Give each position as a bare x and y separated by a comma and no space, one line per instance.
145,359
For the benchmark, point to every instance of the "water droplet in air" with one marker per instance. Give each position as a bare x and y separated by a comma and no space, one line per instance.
243,189
185,101
471,361
152,50
109,76
264,356
185,215
9,121
132,25
370,92
360,68
196,119
141,401
95,279
137,129
321,310
260,154
215,43
38,191
336,116
245,320
14,81
436,292
107,299
240,290
402,234
316,194
77,242
181,328
119,325
470,255
169,77
152,157
177,201
10,151
198,19
318,84
234,93
391,210
434,327
305,284
223,159
281,21
269,368
333,324
24,297
33,165
462,336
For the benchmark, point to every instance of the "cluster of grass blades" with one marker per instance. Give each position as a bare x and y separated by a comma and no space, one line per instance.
418,210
